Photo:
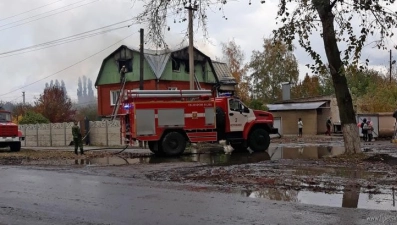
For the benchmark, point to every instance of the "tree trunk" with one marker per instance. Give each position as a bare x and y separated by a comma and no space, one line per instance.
346,112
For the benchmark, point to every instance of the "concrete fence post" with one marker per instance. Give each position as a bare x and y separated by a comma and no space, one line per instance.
50,135
107,133
25,135
37,135
64,132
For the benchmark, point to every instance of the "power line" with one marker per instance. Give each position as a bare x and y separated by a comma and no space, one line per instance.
75,35
69,66
71,38
29,10
45,16
3,25
56,43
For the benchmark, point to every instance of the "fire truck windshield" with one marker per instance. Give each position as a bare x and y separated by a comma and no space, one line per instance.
5,117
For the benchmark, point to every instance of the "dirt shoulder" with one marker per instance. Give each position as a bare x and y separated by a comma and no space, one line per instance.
374,170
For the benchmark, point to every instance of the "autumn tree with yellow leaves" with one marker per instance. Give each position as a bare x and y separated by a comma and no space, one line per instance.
234,57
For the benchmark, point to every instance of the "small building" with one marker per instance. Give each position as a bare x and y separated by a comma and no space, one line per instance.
163,70
313,111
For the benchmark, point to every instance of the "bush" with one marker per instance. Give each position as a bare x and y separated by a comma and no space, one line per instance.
33,118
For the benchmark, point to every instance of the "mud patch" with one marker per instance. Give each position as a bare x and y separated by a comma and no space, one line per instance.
385,158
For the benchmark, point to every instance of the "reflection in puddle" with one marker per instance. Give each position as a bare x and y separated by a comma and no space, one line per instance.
214,158
351,197
305,152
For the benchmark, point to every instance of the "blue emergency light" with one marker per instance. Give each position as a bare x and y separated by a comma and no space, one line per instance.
228,94
128,106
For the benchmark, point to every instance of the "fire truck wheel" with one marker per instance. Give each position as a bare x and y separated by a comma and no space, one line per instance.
259,140
15,147
174,143
154,147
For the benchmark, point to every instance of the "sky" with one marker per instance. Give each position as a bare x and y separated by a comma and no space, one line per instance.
29,71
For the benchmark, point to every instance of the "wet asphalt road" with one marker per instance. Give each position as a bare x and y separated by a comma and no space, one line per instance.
30,196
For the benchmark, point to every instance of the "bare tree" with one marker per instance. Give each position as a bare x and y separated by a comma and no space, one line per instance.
157,14
335,21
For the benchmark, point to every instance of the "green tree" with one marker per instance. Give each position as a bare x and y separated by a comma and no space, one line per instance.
327,87
234,56
32,117
377,94
257,104
19,111
272,66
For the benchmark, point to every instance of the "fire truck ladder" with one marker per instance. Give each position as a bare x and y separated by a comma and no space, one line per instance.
119,97
197,82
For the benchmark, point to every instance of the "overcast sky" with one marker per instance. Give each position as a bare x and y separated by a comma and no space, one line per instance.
247,24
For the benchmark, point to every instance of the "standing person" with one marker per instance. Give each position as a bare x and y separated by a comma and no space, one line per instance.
328,125
300,127
122,74
364,130
370,128
77,138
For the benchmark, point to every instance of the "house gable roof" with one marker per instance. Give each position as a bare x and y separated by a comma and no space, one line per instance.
296,106
158,59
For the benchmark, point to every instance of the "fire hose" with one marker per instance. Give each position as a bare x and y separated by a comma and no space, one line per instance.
98,149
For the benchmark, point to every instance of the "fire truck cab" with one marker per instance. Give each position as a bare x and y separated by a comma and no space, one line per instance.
170,119
10,136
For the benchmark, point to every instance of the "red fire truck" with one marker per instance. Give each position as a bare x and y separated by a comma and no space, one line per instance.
10,136
169,119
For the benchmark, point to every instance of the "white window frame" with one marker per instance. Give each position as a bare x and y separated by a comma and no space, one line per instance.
172,88
112,100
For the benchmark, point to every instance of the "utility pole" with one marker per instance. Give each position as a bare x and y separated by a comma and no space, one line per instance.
141,57
191,57
23,96
390,66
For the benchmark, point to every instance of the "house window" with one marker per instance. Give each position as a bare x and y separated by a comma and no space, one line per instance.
127,63
172,88
113,97
176,65
187,66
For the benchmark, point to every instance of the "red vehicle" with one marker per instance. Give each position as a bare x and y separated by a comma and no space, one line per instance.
170,119
10,136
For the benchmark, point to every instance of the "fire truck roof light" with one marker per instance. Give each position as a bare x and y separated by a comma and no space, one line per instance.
225,94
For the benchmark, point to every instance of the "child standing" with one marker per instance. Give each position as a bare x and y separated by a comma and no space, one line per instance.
300,127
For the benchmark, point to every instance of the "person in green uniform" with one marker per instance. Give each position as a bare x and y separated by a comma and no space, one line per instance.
77,138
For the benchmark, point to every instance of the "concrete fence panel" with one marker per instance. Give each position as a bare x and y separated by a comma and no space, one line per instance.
58,134
44,135
98,135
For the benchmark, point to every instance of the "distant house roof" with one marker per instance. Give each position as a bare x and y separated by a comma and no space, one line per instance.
157,59
295,106
307,99
223,73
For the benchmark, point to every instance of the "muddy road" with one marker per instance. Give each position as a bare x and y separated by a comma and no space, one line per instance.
300,180
32,196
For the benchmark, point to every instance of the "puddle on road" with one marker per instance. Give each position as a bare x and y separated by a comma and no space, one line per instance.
351,198
214,158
